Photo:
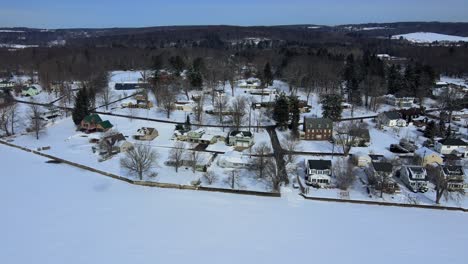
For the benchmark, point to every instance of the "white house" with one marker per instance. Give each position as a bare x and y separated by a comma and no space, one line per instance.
251,83
233,160
242,139
452,146
318,172
399,101
455,177
389,119
414,177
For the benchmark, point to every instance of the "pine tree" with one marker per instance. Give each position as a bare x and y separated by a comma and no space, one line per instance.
295,115
431,130
188,124
331,106
267,75
82,105
281,111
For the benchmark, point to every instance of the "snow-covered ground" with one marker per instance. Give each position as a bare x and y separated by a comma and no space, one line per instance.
429,37
52,213
72,145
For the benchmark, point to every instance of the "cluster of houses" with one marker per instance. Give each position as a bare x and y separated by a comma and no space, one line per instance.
237,139
141,101
381,174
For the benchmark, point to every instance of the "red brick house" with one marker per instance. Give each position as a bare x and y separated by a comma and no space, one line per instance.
317,129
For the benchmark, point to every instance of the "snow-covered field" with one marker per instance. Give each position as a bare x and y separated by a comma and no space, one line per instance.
58,214
429,37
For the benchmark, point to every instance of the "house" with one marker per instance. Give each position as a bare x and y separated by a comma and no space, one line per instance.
93,123
380,175
317,129
146,133
186,106
30,91
377,157
452,146
202,161
251,83
399,101
389,119
455,177
427,156
113,144
361,159
241,139
414,177
6,84
356,136
318,172
199,136
233,160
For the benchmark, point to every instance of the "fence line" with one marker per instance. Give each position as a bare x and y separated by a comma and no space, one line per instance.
421,206
213,189
142,183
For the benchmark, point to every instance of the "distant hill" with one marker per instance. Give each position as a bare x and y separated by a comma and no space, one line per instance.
190,35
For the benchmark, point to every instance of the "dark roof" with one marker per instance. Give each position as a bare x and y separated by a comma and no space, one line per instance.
383,166
115,137
359,132
392,115
245,133
319,164
453,170
126,86
416,169
106,124
92,118
376,156
453,142
317,123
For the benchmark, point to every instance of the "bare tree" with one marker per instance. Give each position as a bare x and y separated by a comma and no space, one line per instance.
273,175
8,118
168,100
210,177
220,106
344,174
238,108
291,145
176,155
106,96
347,134
198,109
441,184
139,160
234,180
194,158
262,154
36,122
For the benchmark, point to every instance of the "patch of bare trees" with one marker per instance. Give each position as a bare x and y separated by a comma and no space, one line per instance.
344,174
238,109
139,160
36,123
176,155
441,185
8,118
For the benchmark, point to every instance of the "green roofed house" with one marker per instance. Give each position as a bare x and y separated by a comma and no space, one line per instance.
93,122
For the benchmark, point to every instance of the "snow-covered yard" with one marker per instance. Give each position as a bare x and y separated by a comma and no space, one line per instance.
53,213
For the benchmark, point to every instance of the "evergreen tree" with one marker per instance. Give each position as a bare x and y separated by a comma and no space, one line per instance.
267,75
82,105
188,124
281,111
295,115
331,106
393,80
431,130
177,64
442,130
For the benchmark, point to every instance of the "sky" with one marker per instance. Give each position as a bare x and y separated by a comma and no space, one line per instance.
141,13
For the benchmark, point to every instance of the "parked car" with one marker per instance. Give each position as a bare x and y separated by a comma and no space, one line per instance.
395,148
